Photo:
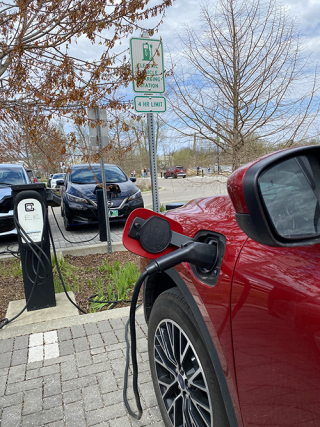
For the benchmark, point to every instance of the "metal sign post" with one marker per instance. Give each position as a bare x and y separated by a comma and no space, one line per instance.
147,54
153,164
104,185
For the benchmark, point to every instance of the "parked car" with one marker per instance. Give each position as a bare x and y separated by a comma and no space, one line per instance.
175,171
55,178
78,195
238,343
10,174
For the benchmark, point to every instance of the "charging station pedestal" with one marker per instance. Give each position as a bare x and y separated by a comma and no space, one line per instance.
30,207
101,216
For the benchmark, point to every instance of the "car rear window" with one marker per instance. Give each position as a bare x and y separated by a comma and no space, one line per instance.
58,176
12,176
92,175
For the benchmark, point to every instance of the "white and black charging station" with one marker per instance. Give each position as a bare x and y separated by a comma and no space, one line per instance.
31,218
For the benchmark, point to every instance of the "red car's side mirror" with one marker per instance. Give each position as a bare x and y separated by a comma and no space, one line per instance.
276,198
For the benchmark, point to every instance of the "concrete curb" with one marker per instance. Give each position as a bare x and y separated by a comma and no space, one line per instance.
98,248
64,322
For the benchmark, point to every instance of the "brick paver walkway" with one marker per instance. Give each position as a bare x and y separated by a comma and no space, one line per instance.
73,377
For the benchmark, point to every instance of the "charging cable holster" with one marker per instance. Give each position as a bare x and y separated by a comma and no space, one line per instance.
30,211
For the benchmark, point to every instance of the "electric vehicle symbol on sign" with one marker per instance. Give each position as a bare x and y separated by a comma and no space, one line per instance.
232,298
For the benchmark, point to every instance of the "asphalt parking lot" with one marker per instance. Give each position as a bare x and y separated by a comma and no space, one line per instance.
171,190
82,236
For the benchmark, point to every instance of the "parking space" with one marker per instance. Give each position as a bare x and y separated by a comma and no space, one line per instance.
86,235
171,190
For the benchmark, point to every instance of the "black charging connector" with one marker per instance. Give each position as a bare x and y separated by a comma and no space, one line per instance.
196,253
199,254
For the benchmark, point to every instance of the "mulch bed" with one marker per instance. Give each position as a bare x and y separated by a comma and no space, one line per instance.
12,289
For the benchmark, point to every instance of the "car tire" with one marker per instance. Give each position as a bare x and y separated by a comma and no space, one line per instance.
175,176
66,223
165,176
184,176
176,393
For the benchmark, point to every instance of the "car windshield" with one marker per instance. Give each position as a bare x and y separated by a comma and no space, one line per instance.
9,176
58,176
92,175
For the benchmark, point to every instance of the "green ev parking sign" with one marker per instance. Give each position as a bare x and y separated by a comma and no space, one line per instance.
148,54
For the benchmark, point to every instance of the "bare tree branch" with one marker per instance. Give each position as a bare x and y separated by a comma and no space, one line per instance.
241,75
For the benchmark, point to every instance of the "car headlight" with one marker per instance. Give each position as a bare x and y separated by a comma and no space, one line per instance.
76,199
135,195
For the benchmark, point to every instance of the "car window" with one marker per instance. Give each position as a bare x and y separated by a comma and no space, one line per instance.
12,176
92,175
58,176
290,199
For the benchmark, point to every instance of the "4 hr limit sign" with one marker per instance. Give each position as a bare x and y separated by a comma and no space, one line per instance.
150,104
148,53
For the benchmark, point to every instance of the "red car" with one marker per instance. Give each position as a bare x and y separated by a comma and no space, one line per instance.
237,342
175,171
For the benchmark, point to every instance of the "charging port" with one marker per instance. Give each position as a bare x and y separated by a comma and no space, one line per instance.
209,275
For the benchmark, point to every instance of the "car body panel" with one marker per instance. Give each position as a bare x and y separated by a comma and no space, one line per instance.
269,343
276,334
216,214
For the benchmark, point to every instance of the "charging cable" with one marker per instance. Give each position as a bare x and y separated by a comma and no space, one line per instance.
60,274
197,253
70,241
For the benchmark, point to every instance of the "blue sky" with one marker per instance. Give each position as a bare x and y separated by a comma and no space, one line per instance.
186,12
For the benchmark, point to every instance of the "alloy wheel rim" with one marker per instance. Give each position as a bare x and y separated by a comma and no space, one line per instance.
181,378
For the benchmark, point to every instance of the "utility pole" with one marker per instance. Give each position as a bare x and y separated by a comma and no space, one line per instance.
195,148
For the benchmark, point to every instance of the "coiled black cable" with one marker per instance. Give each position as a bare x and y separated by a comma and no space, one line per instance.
60,274
9,251
131,322
81,241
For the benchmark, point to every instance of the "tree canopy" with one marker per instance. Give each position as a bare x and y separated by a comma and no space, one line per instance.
243,73
41,60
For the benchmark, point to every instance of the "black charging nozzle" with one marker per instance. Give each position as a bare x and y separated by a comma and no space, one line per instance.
197,253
